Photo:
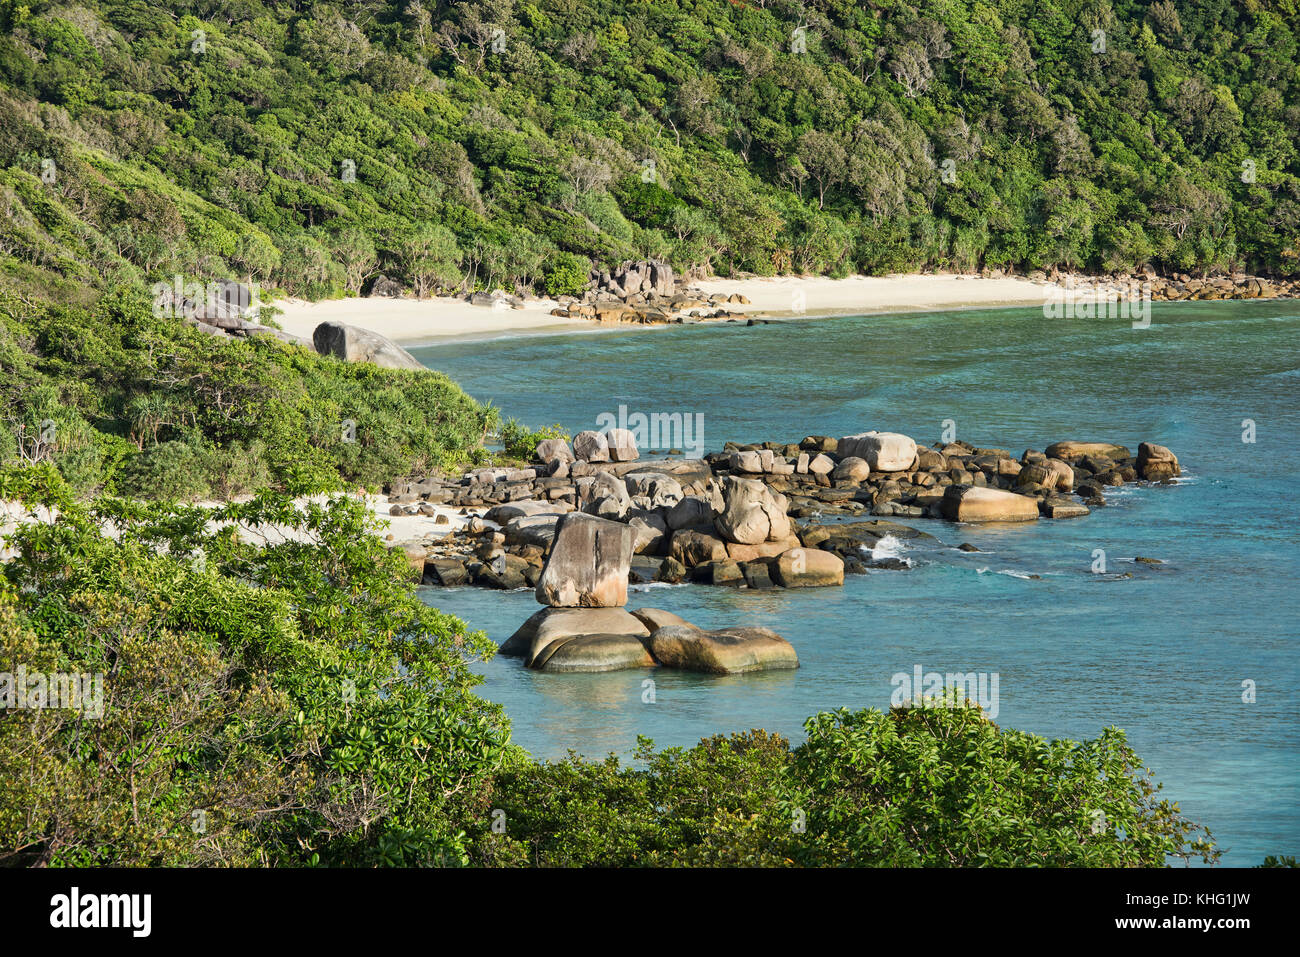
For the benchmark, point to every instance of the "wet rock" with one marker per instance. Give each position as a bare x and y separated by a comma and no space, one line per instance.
1155,462
593,653
724,651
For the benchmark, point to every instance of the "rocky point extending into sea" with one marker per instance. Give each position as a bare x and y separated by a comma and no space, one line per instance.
591,516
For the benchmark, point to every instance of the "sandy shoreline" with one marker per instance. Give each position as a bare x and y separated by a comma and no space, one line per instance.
415,321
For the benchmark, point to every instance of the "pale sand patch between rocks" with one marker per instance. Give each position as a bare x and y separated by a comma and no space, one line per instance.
403,528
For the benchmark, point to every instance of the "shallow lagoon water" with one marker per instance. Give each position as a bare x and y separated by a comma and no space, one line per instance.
1162,654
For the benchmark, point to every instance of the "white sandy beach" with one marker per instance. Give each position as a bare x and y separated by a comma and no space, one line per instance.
858,295
412,321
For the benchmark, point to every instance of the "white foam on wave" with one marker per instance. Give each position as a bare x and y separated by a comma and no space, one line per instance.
1010,572
887,547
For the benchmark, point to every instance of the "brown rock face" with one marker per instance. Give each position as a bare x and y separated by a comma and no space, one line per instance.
1155,462
727,651
1069,451
692,547
807,568
588,564
969,503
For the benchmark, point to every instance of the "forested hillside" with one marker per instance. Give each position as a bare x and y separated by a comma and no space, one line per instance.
310,146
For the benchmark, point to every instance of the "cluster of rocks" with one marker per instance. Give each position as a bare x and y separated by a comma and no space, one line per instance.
229,309
1184,287
585,626
644,292
755,516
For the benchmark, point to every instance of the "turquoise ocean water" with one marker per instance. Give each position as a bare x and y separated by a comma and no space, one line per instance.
1162,654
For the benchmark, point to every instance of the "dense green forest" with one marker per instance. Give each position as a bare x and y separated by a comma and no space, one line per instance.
310,146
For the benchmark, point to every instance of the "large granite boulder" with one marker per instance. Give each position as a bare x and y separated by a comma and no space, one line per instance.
591,446
588,564
1070,451
551,451
354,344
1051,474
973,503
692,546
807,568
883,451
1155,462
726,651
589,653
622,445
751,512
553,624
691,511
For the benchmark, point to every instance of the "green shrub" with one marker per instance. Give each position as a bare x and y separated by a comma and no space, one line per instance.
565,275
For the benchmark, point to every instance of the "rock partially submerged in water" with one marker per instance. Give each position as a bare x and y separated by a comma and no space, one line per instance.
573,640
588,564
1069,451
970,503
726,651
593,653
553,624
807,568
1156,463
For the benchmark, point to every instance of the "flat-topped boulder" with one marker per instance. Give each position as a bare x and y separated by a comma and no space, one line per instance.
552,624
726,651
588,564
1069,451
972,503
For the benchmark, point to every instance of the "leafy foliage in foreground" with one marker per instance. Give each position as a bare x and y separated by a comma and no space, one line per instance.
311,145
118,399
934,785
300,696
298,704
